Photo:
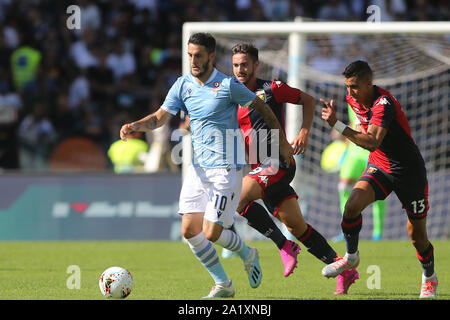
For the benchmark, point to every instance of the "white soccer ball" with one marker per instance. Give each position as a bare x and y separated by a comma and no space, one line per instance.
116,282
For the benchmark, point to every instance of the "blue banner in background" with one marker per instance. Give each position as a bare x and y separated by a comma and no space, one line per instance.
90,207
145,207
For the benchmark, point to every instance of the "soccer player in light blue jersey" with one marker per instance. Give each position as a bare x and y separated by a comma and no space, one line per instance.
211,188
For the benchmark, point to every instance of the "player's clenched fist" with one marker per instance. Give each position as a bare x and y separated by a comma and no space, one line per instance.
328,112
127,129
300,143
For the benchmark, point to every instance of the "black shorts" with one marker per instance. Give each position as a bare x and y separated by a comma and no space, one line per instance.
275,184
411,189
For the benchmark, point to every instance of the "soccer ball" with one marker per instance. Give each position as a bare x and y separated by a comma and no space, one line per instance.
116,282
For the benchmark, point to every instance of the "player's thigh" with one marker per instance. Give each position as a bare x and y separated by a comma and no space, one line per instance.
193,195
268,182
290,214
374,184
412,191
362,195
251,190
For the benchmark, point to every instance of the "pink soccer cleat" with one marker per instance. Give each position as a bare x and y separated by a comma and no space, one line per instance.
345,280
289,254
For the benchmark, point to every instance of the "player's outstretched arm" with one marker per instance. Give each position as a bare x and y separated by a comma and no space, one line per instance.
300,142
370,140
271,120
150,122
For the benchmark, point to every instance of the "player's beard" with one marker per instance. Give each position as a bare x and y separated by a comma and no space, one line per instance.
202,69
248,77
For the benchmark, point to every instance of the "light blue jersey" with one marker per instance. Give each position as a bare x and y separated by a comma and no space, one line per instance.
212,109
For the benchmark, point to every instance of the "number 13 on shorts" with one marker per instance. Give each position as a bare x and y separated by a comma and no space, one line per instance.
418,206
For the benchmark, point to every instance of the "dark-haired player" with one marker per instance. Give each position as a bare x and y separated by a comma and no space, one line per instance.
208,198
395,164
270,178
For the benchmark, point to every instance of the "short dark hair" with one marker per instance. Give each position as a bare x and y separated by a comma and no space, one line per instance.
246,48
358,69
204,39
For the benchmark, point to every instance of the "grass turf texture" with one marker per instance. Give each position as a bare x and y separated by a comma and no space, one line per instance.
169,271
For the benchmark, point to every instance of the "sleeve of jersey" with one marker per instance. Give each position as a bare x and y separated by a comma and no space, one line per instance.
240,94
284,93
383,112
173,102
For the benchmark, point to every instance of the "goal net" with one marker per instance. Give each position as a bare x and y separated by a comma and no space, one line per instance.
415,68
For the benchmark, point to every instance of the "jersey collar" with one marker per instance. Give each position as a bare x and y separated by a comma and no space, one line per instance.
211,78
376,95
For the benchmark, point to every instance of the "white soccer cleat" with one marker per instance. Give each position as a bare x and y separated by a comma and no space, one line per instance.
253,269
334,269
429,286
225,290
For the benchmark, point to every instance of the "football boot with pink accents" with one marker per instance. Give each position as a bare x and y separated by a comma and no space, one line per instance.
345,280
289,254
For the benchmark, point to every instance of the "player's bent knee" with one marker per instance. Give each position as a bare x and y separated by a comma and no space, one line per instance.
189,232
352,209
245,200
212,237
191,225
418,236
212,231
243,203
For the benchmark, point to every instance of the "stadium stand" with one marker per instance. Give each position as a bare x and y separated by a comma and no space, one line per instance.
83,83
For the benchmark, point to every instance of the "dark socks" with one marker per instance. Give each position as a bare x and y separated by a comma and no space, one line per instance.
258,218
426,259
317,245
351,228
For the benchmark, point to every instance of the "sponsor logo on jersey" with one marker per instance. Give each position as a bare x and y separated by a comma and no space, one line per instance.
262,95
372,170
383,101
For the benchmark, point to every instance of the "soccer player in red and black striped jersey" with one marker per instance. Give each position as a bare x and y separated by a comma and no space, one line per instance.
270,177
395,164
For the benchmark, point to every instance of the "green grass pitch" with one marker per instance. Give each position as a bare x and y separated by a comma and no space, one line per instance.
169,271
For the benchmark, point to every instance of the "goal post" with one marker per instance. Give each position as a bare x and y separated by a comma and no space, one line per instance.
410,59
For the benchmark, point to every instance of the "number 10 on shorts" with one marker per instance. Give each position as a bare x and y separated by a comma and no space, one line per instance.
220,203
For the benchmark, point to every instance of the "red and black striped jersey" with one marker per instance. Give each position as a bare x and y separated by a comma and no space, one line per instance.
398,152
275,94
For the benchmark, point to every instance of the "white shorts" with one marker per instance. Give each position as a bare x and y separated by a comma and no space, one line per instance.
215,192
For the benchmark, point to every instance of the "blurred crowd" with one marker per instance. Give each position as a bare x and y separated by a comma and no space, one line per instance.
57,83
